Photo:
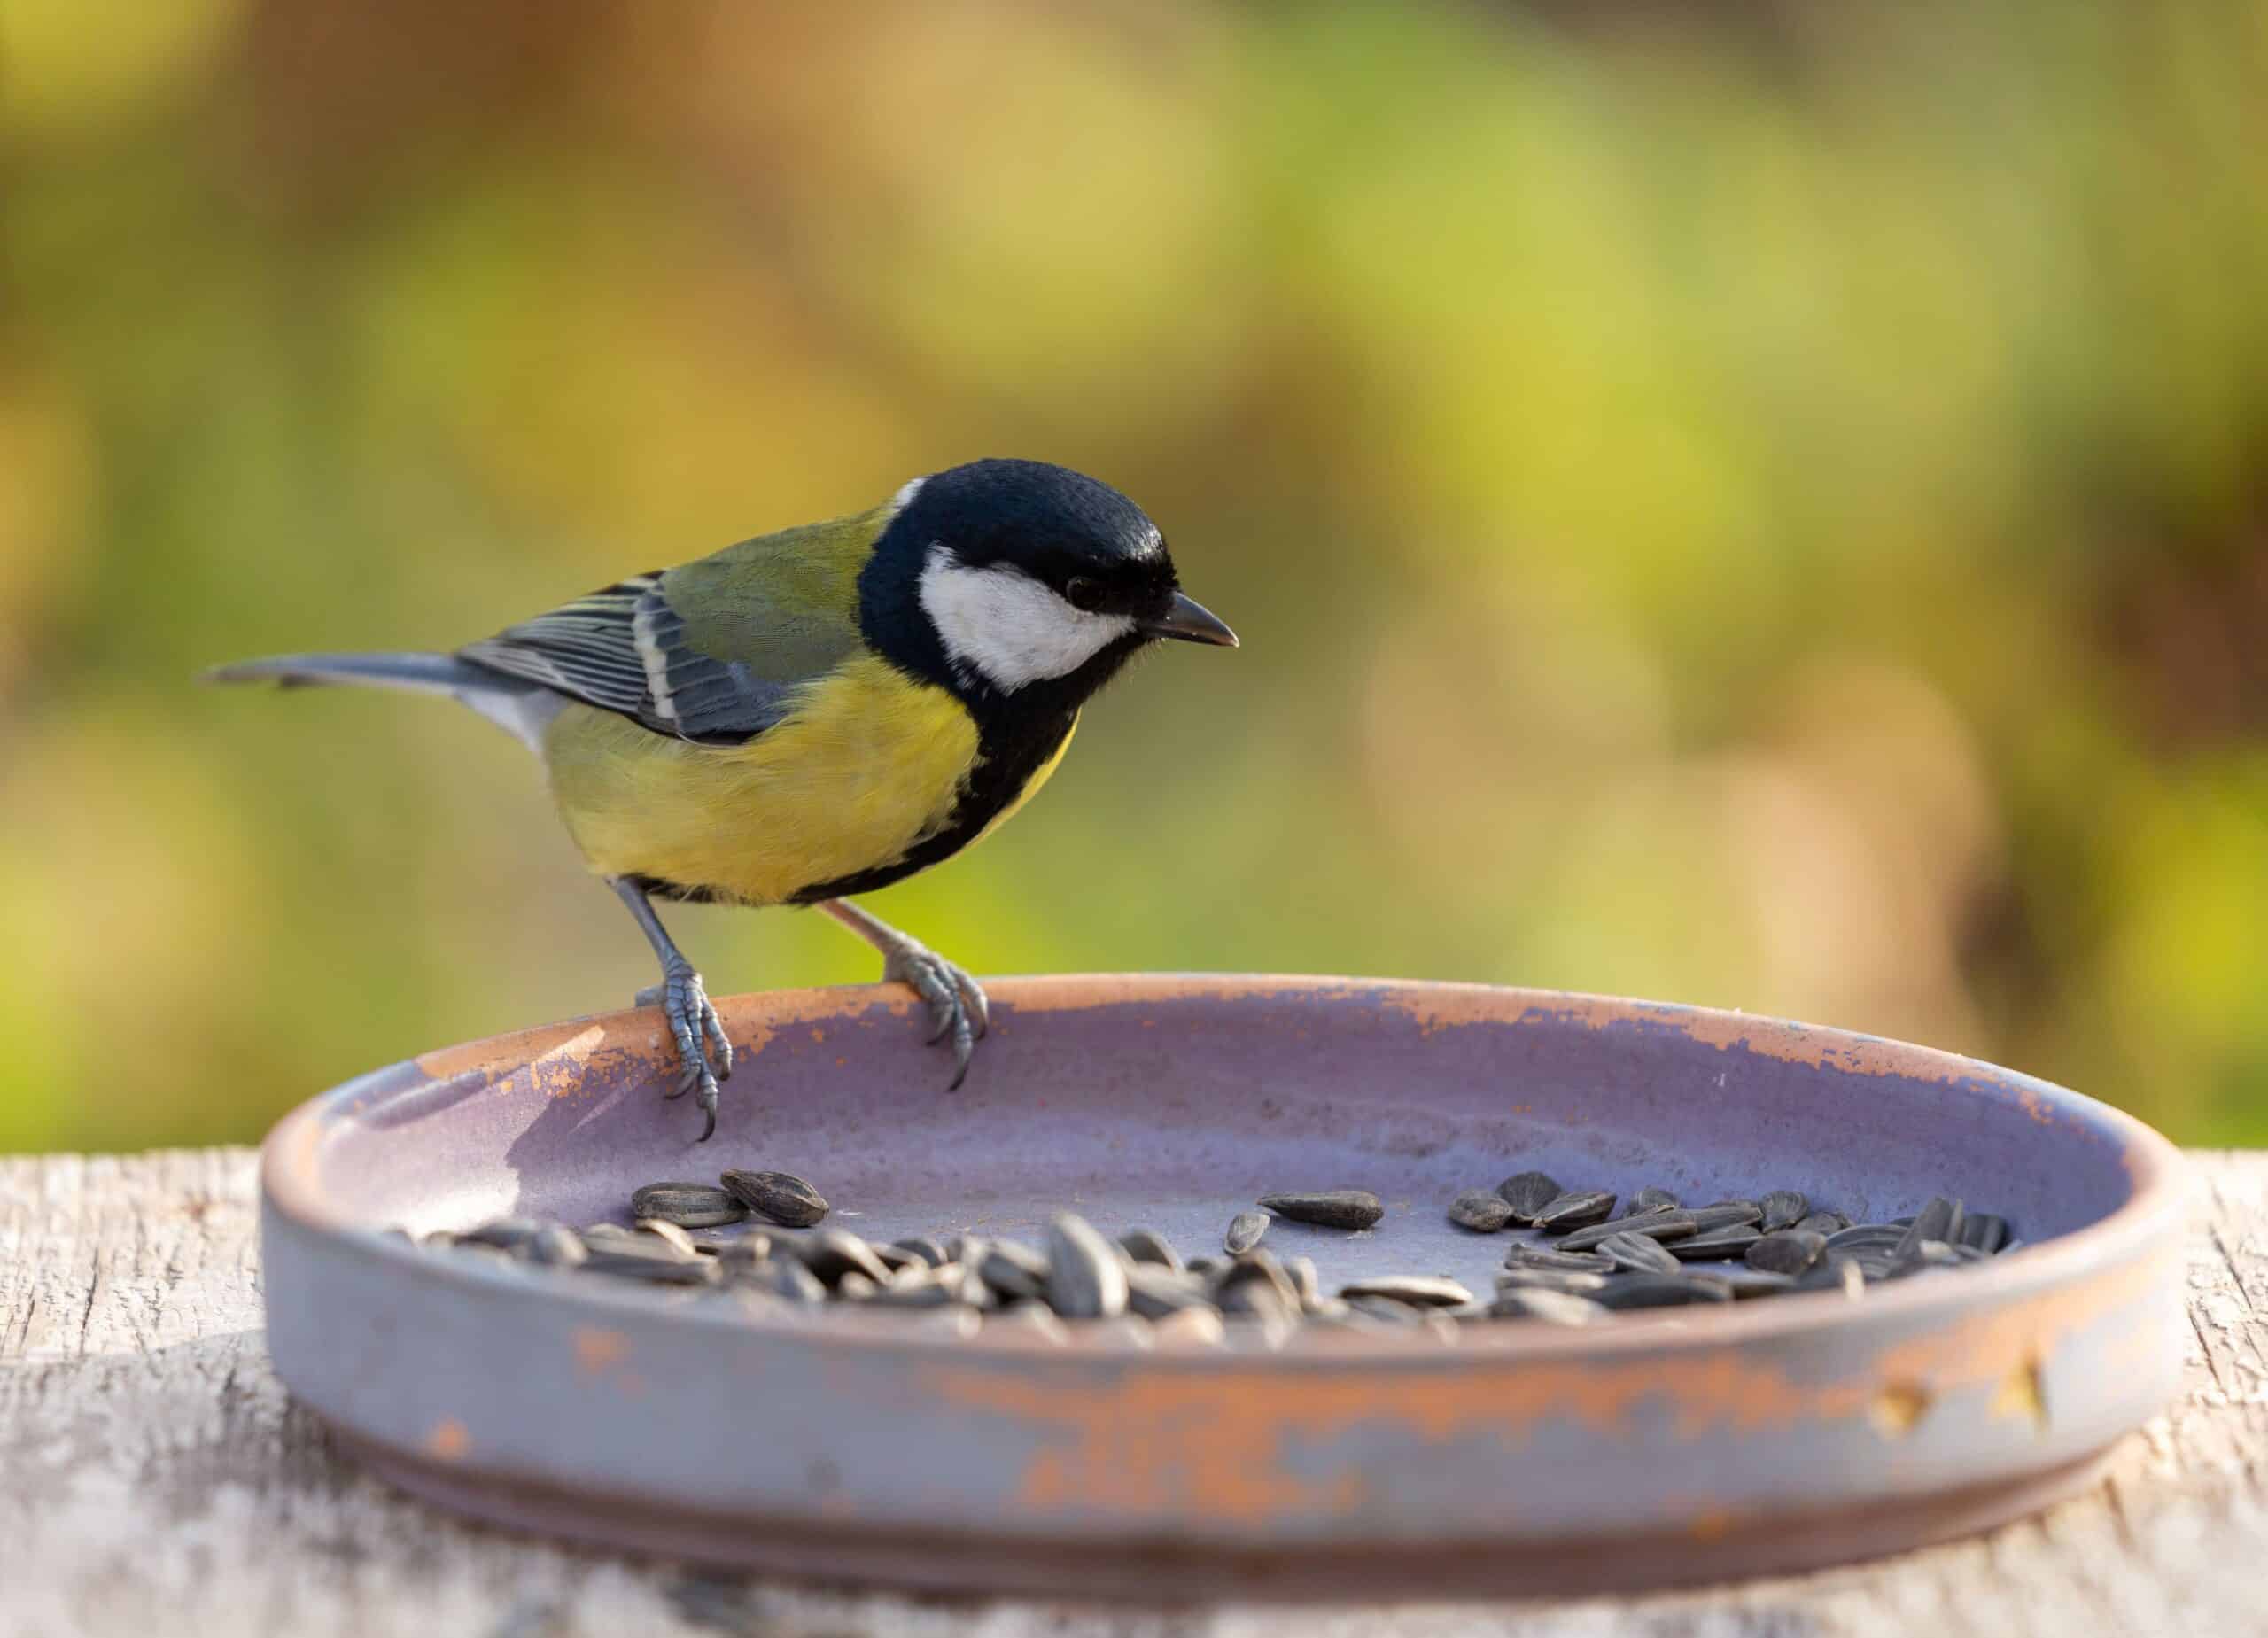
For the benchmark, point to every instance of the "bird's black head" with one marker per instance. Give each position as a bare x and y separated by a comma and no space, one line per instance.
1014,582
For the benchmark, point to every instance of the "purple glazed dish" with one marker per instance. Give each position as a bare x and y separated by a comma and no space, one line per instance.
1675,1444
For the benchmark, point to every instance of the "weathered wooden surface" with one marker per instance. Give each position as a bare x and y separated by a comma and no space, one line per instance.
154,1479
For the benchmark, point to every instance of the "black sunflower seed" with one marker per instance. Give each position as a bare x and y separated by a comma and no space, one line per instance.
1650,1199
1727,1242
1939,1220
1332,1208
787,1278
1384,1308
687,1205
1260,1265
1783,1208
1576,1208
512,1234
1086,1277
556,1245
920,1287
1244,1232
831,1254
1149,1245
1431,1291
1655,1225
779,1196
1521,1255
1638,1254
1258,1298
1529,1193
1725,1214
1154,1291
1880,1265
1825,1222
1016,1271
1482,1210
923,1248
1983,1230
1550,1280
1747,1284
1553,1307
652,1270
1659,1290
1835,1271
1790,1251
669,1234
1867,1237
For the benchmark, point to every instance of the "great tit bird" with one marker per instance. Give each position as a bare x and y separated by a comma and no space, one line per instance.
818,712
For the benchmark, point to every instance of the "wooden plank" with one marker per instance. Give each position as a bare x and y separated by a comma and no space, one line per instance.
155,1479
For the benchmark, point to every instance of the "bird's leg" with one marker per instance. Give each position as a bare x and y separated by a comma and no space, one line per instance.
685,1003
956,1000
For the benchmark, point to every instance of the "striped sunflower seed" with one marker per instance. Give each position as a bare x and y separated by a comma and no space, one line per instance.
1660,1290
1983,1231
781,1196
1016,1270
787,1279
1783,1208
1484,1211
1727,1242
652,1270
1577,1208
1553,1307
1790,1251
687,1205
1522,1254
512,1234
1650,1199
1148,1246
1258,1266
1244,1232
1427,1290
1939,1220
1529,1193
1835,1272
1825,1222
834,1255
1329,1208
1153,1291
1867,1237
669,1234
1636,1252
1655,1225
1086,1277
1035,1321
1550,1280
922,1248
558,1246
1189,1328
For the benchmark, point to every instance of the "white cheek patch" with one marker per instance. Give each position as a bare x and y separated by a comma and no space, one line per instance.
1007,627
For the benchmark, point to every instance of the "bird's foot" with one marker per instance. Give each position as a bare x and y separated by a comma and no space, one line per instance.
956,1001
704,1056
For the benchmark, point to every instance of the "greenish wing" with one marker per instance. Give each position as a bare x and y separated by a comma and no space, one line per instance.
712,651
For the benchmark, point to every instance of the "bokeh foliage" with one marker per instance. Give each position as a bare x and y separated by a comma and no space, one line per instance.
1760,504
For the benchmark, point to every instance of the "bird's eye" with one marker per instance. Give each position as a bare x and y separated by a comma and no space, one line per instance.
1083,594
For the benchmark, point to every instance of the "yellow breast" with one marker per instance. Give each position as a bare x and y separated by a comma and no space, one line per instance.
868,764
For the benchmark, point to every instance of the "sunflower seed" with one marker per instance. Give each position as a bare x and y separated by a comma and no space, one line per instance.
1553,1307
1149,1245
787,1278
1481,1210
1931,1254
1016,1270
748,1250
1548,1279
1835,1271
1727,1242
616,1240
781,1196
1783,1208
1028,1319
1751,1283
1086,1278
1660,1290
1939,1220
1867,1237
852,1287
1754,1209
1203,1265
924,1249
894,1258
1243,1232
1638,1254
1189,1328
1655,1225
919,1287
1154,1292
687,1205
1983,1230
1522,1254
1724,1215
835,1255
1650,1199
1576,1208
1257,1266
1829,1222
512,1234
1332,1208
1418,1290
556,1245
1529,1193
1307,1281
669,1234
1790,1251
1972,1254
1261,1299
1880,1265
652,1270
1383,1308
958,1323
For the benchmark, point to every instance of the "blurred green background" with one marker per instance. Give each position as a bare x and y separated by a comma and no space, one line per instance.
1763,505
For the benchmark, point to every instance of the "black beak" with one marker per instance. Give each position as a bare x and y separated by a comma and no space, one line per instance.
1191,621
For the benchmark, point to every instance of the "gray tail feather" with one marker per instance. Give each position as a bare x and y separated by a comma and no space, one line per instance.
520,708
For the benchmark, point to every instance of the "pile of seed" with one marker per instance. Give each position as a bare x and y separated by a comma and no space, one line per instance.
1589,1262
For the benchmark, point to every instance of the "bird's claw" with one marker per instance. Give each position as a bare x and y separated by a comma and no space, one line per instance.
956,1001
704,1055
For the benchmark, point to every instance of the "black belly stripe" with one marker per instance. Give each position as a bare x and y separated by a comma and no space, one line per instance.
1009,754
